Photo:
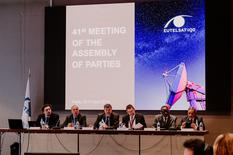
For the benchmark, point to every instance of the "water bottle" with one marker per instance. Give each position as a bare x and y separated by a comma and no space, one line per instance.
201,126
121,125
42,123
77,126
197,123
101,123
158,126
46,123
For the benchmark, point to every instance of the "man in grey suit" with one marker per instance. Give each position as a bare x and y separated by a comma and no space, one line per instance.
166,120
192,120
75,118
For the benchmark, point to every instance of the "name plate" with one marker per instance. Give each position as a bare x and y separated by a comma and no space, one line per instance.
122,129
34,128
87,128
68,128
149,129
187,129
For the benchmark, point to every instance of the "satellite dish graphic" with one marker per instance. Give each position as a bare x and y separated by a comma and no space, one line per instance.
177,83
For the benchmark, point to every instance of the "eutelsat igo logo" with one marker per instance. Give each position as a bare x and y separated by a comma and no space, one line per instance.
178,24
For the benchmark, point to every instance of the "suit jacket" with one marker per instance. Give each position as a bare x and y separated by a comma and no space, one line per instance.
69,119
170,123
139,118
197,120
53,120
114,120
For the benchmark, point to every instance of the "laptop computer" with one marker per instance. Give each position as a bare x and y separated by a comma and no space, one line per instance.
32,124
15,123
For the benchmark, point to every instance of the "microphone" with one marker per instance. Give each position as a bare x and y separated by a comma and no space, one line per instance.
58,122
57,125
188,123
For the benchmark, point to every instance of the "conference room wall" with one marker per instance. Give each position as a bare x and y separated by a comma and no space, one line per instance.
22,47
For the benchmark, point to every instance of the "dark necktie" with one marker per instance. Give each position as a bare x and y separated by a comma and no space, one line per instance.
131,121
108,121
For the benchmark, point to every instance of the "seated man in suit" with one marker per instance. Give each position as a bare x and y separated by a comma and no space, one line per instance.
192,120
166,120
47,119
75,118
107,119
132,119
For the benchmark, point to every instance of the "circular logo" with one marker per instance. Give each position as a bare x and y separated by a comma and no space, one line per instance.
179,21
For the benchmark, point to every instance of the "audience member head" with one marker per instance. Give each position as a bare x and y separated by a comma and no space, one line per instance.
209,150
223,144
165,111
130,110
75,110
192,112
107,109
47,109
194,147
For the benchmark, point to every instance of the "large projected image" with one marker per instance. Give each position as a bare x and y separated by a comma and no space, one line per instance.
100,56
169,35
146,54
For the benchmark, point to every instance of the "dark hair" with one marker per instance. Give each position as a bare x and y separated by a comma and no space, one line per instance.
129,106
46,105
107,106
165,107
209,150
197,145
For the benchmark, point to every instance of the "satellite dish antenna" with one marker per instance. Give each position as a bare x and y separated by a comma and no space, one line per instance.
176,81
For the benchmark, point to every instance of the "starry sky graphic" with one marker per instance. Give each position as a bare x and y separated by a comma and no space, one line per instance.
156,51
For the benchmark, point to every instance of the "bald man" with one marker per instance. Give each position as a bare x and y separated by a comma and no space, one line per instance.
192,120
75,117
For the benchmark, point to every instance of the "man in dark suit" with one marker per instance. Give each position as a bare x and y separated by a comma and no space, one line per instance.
75,118
107,119
47,119
132,119
166,120
192,120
